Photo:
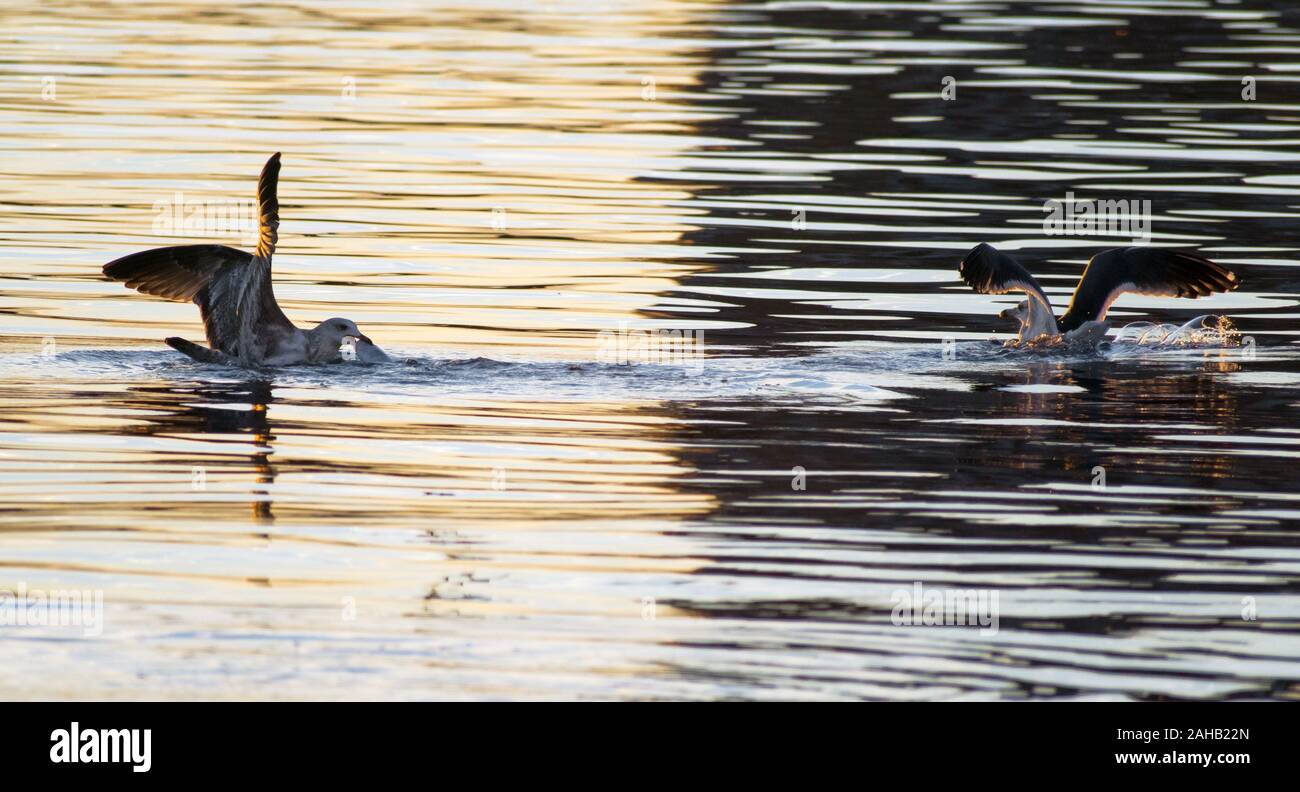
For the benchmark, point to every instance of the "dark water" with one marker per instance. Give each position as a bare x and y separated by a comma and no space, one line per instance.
503,513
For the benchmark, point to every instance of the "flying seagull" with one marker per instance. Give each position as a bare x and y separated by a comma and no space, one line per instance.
242,320
1142,270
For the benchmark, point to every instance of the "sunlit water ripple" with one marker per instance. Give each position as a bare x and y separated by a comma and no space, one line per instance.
490,189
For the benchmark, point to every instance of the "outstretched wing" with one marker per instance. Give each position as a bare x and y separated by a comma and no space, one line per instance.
231,287
175,273
990,271
1144,270
268,208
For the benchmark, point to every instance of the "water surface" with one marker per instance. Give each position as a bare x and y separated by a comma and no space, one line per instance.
486,187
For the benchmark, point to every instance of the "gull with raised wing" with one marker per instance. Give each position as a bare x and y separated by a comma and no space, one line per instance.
242,320
1141,270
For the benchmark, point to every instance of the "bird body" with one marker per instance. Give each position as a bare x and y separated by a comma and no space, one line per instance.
1109,274
243,322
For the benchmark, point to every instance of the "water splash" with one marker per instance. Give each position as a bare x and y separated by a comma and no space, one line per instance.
1067,343
1204,331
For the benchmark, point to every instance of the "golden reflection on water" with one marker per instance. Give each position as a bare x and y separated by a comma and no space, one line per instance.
469,178
312,505
464,177
293,457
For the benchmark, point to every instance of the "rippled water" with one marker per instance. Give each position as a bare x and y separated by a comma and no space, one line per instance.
486,187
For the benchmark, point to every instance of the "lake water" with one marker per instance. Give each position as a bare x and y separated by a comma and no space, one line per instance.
498,191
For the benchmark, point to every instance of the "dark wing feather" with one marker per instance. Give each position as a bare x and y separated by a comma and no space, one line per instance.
1144,270
174,273
268,208
240,312
232,288
987,270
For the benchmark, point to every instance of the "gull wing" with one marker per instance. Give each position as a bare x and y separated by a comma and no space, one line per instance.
1143,270
231,287
988,270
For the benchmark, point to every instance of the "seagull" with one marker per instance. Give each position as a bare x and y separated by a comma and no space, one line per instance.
1142,270
243,322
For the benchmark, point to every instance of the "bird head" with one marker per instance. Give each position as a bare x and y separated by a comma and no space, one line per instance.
337,330
1018,314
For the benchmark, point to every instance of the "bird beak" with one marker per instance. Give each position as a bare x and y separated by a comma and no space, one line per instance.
366,339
